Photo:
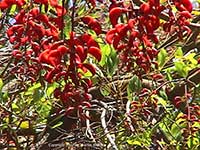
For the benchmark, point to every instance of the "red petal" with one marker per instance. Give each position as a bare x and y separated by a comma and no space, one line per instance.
93,2
185,14
90,67
93,24
89,40
87,104
115,13
110,35
60,10
87,19
42,1
96,52
44,56
116,41
63,49
3,4
53,2
81,53
35,11
54,57
145,8
187,4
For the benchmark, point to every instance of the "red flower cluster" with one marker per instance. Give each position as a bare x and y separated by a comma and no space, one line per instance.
183,5
74,94
31,27
4,4
40,53
73,99
134,39
77,49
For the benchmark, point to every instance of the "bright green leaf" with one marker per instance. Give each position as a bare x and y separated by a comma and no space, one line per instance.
192,141
32,88
13,10
162,56
1,84
132,142
105,50
179,52
57,125
15,108
25,124
181,68
50,89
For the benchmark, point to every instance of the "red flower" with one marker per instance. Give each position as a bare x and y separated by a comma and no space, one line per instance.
96,52
115,13
93,24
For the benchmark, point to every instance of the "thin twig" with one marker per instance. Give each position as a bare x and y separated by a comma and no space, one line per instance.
128,115
88,129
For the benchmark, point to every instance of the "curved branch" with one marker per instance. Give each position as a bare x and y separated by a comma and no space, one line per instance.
104,125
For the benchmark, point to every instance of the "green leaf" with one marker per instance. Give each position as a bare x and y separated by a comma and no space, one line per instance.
50,89
68,27
105,90
190,58
161,101
163,95
133,142
1,87
81,10
162,56
13,10
57,125
1,84
135,85
15,108
181,68
38,94
32,88
105,50
193,142
110,66
25,124
179,53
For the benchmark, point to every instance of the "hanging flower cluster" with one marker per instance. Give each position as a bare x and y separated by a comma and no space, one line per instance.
39,52
134,36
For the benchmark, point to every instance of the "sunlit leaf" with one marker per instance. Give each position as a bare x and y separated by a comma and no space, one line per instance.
57,125
15,108
32,88
1,84
179,52
133,142
25,124
181,68
162,56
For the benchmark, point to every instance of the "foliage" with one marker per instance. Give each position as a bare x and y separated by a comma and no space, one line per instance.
101,74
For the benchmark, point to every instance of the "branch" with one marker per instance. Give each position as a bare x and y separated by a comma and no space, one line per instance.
128,104
179,90
88,129
103,122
